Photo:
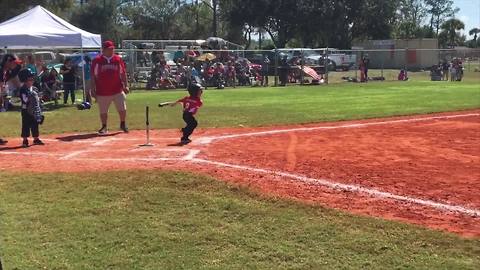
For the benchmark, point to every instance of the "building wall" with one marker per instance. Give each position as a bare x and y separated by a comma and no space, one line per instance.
399,53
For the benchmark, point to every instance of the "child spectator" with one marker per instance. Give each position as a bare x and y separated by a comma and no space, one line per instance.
31,111
402,76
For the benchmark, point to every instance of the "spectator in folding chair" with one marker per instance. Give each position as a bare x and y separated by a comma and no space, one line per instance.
51,83
178,55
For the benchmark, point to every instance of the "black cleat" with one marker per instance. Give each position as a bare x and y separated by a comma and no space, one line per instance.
38,142
185,141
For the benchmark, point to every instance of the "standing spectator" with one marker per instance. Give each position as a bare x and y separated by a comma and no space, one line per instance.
231,74
445,70
284,70
88,78
453,71
68,73
9,68
365,63
265,64
31,111
109,84
9,83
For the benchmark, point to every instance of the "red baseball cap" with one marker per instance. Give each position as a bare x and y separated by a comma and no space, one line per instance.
108,44
12,58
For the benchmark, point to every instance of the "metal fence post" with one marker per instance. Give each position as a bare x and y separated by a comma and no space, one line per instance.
406,59
301,66
276,68
326,67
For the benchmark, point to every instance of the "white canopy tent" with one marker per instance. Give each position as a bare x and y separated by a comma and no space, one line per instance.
38,28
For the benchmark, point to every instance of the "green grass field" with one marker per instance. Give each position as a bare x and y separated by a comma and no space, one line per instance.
171,220
168,220
272,106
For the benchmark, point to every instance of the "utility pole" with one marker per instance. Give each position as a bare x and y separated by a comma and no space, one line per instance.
197,17
215,15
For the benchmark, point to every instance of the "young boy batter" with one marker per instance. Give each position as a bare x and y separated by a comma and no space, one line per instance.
191,104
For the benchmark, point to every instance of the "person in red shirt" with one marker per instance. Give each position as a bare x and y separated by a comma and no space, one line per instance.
191,104
109,84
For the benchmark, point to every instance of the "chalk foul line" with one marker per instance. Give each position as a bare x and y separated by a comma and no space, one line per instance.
208,140
348,187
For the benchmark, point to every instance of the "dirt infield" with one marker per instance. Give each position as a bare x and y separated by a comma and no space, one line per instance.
423,170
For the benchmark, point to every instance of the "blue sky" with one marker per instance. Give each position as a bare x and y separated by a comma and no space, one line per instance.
469,13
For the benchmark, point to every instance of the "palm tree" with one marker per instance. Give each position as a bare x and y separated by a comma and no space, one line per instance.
474,32
450,28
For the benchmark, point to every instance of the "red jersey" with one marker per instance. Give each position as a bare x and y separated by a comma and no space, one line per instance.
107,73
191,104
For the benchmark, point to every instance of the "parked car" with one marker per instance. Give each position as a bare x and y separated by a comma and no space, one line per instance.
337,59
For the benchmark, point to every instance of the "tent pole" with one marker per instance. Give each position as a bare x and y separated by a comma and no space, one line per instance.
83,71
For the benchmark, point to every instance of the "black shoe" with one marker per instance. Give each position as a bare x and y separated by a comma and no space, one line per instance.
3,142
25,143
124,127
103,130
185,141
38,142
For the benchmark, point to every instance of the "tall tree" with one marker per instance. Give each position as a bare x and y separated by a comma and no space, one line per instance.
450,32
439,11
12,8
474,32
410,16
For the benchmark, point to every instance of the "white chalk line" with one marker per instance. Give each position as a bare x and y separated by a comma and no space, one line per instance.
207,140
348,187
129,159
191,156
73,154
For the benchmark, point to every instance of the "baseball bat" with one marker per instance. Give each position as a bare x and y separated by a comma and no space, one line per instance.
165,104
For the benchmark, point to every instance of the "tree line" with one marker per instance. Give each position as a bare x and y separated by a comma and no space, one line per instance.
277,23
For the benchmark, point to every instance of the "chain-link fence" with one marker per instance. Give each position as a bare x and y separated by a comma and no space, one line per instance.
177,66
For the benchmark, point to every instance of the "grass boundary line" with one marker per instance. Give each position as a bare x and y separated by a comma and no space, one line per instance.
349,187
208,140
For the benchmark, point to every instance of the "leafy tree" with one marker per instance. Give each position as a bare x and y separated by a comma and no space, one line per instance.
450,35
474,32
102,17
410,15
12,8
439,11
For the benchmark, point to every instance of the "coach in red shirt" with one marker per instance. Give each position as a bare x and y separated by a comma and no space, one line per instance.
109,84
